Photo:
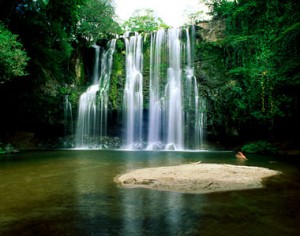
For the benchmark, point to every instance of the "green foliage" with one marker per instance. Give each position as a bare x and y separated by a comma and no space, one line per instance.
54,34
259,60
259,147
13,58
143,20
220,8
291,30
96,21
287,51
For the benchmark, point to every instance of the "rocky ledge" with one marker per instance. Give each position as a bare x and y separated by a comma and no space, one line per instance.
197,178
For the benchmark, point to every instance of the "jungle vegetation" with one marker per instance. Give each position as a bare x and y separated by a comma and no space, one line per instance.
250,76
257,92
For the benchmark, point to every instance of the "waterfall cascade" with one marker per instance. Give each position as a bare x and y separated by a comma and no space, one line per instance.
174,117
133,92
174,105
92,113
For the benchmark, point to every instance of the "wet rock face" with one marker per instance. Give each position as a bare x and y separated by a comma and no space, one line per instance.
212,31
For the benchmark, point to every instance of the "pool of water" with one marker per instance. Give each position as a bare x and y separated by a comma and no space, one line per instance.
72,192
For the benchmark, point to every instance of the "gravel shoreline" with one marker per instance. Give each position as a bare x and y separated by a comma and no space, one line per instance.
197,178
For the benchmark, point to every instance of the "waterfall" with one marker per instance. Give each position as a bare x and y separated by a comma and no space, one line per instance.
133,92
176,114
155,106
173,93
170,117
93,104
195,103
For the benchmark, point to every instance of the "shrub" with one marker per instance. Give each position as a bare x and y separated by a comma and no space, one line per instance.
259,147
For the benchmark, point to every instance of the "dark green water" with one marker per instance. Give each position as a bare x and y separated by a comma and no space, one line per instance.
73,193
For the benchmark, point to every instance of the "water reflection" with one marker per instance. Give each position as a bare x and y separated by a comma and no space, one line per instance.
73,193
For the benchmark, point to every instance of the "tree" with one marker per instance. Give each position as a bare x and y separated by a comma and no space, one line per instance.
46,29
259,37
13,57
96,21
143,20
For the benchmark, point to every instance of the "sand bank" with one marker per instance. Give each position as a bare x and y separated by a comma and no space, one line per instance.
197,178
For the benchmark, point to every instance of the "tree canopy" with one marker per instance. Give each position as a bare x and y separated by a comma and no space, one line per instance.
96,21
51,29
143,20
258,56
52,36
13,57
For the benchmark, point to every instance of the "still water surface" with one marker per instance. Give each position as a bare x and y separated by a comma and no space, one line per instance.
71,192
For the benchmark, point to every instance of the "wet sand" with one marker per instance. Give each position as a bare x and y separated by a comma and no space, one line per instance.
197,178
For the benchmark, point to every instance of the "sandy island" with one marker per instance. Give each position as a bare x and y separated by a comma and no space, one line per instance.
197,178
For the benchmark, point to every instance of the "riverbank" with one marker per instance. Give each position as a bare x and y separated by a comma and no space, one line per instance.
197,178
